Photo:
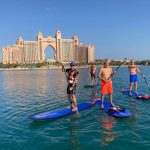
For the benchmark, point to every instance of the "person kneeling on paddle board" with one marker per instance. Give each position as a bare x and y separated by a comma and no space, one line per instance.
71,76
133,69
105,74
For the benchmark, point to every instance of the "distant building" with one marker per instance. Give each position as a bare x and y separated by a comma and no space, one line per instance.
65,50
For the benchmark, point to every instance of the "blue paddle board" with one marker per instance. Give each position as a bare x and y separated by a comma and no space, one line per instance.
61,112
91,85
133,94
123,113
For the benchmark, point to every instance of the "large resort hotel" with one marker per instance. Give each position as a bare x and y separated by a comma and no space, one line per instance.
65,50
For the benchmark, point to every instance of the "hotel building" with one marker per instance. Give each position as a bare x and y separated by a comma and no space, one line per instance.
65,50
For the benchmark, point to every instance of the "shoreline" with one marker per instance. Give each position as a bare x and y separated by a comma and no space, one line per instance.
51,67
44,68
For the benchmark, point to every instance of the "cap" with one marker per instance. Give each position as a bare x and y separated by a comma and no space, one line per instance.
73,63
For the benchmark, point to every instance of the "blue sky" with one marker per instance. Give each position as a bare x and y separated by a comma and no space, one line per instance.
117,28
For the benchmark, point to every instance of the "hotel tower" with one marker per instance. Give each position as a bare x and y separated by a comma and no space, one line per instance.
65,50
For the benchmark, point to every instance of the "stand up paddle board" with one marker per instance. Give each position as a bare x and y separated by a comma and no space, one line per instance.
133,94
118,113
91,85
61,112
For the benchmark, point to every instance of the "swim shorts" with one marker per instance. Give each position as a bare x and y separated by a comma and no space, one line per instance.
106,87
133,77
68,89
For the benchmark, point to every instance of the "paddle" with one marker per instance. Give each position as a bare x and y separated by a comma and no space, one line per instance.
120,64
64,70
117,68
145,79
146,82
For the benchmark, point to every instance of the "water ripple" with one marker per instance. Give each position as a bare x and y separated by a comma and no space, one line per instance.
24,93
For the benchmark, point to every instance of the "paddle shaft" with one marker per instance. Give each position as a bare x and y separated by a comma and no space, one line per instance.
145,79
120,64
117,68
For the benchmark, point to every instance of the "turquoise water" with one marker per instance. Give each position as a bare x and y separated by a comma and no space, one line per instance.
24,93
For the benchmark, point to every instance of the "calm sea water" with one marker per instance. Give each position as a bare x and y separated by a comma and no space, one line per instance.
24,93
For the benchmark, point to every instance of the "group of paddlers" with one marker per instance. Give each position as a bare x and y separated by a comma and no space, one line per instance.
105,73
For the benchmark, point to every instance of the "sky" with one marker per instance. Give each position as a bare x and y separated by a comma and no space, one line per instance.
116,28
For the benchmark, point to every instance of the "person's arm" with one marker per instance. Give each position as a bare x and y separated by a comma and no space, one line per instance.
75,82
129,68
76,78
139,71
65,71
63,68
100,75
113,72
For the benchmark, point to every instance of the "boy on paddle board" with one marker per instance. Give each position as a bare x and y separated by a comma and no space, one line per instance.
71,75
133,69
105,74
92,72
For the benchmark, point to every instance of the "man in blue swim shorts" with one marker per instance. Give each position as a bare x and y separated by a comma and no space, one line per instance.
133,69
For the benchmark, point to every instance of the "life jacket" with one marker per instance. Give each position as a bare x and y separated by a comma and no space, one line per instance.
72,74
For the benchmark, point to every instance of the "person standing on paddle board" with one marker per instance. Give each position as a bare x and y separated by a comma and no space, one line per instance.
105,74
92,72
133,69
71,75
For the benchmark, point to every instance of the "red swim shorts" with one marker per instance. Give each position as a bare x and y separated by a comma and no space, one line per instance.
106,87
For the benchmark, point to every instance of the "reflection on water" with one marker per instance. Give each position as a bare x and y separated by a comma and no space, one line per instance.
74,140
24,93
109,135
93,93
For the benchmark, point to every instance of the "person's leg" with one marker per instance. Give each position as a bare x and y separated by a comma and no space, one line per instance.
135,87
92,78
130,88
111,99
110,91
103,92
102,98
74,100
132,80
136,84
69,100
69,95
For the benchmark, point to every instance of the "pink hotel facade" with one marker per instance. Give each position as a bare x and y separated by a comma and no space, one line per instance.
65,50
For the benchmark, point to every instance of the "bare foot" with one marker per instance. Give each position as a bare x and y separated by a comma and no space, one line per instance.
102,105
113,105
136,93
130,93
75,109
93,101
